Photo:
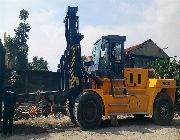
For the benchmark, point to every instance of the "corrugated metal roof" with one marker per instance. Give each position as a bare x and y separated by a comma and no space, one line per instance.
147,48
133,48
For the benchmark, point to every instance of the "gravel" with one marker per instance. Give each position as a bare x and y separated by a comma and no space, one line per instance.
63,129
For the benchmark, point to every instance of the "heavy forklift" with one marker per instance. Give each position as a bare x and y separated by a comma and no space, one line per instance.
110,87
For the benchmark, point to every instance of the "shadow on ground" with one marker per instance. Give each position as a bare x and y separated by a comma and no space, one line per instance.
27,129
145,125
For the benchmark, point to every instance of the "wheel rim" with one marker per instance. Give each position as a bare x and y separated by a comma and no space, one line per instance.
164,109
90,111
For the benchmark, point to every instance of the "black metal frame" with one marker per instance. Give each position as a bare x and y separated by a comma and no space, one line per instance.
70,64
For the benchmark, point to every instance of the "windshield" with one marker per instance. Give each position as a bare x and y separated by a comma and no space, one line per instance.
117,50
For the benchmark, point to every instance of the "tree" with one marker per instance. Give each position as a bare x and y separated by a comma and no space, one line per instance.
17,52
21,37
38,64
169,69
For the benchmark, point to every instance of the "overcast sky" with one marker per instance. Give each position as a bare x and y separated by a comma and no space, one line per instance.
139,20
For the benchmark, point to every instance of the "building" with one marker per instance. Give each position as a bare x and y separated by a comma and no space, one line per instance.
143,54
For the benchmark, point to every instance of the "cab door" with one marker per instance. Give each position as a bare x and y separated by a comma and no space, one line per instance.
117,57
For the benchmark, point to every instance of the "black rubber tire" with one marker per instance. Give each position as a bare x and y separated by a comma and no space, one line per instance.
138,116
88,111
163,110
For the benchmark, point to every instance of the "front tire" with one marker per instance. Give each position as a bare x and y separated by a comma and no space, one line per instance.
88,111
163,109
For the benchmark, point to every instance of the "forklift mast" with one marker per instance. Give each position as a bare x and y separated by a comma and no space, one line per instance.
70,62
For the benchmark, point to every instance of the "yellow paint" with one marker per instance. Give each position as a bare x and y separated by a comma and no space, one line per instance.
141,93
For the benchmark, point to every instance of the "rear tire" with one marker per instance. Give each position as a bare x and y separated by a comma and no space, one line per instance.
88,111
163,109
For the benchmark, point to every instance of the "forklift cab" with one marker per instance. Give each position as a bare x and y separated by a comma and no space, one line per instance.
108,56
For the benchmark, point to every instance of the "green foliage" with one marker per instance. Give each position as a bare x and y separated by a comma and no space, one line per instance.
169,69
83,58
13,78
23,15
21,37
38,64
11,51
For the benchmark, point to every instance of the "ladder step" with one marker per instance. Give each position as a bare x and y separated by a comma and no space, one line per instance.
119,79
127,113
118,104
119,88
123,95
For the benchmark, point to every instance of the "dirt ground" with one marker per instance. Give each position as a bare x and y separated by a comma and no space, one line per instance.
62,129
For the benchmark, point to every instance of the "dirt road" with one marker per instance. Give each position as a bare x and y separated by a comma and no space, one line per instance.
62,129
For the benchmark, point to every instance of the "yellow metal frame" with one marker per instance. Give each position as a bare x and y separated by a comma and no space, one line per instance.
140,95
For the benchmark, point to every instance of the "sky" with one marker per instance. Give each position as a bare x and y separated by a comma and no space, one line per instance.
138,20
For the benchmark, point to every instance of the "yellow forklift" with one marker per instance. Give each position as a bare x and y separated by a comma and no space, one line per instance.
109,86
